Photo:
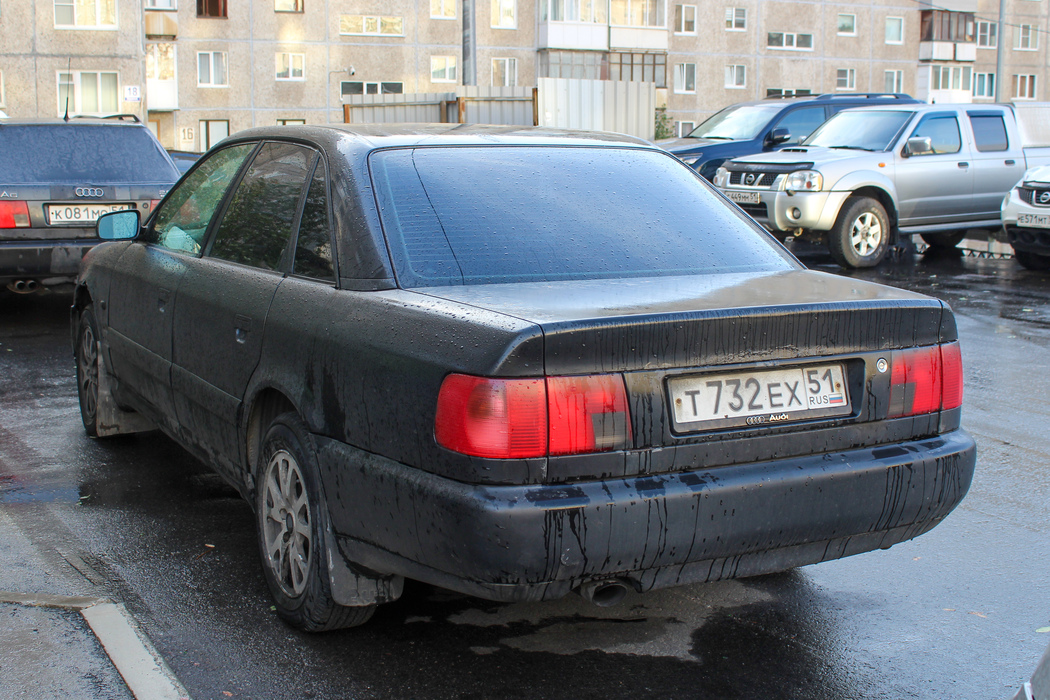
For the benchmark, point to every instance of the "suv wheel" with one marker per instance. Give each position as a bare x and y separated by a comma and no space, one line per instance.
861,236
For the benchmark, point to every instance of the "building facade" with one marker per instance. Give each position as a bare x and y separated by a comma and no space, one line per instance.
198,70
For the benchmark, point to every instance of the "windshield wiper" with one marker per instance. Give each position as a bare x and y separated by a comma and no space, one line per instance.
854,148
719,138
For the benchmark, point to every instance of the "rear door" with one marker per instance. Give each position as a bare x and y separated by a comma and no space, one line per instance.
935,187
997,164
224,298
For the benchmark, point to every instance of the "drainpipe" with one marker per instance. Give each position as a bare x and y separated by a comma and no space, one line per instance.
999,49
470,45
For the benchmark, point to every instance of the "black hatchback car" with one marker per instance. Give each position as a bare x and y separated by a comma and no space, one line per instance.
57,177
512,363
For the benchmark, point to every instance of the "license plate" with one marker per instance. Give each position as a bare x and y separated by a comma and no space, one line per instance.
81,213
744,197
760,397
1034,220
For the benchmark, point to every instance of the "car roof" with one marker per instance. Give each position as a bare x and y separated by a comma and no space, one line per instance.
880,98
923,107
121,120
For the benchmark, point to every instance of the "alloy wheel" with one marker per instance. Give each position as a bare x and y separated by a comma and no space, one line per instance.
287,533
88,366
866,234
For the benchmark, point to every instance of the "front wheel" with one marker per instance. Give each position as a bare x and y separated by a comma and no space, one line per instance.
861,235
87,362
291,524
1032,261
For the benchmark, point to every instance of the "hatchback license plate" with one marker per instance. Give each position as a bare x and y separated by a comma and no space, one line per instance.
1034,220
81,213
712,401
744,197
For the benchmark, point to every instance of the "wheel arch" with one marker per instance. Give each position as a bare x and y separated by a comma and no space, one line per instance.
885,199
267,403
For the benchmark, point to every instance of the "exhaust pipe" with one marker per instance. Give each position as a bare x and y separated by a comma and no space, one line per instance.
23,286
31,286
604,594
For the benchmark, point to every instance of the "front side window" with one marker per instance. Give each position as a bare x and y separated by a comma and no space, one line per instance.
257,226
943,133
85,14
638,13
685,19
894,30
736,76
371,25
801,122
182,220
789,40
443,9
505,14
215,9
211,69
504,72
1027,38
847,25
987,35
736,19
845,79
1024,87
88,92
984,84
443,69
685,78
894,81
288,5
290,66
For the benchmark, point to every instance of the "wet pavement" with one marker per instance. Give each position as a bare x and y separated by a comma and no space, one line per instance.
961,612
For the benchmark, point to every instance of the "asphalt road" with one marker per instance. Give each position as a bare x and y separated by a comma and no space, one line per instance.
956,613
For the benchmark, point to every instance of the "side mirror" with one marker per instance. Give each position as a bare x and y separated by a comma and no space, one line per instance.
118,225
779,134
918,146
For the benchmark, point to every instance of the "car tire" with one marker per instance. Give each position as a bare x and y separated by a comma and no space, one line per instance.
87,365
291,522
861,235
1032,261
944,241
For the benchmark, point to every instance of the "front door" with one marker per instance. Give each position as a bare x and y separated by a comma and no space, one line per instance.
935,187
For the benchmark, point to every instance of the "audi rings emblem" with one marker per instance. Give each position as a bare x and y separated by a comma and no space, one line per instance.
89,192
1044,197
750,178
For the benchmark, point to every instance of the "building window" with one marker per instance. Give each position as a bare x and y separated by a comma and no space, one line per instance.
736,76
290,66
443,69
505,14
685,19
847,25
160,61
291,122
685,128
443,9
685,78
211,69
212,131
573,11
638,67
788,92
211,8
894,81
587,65
504,72
942,25
789,40
1024,87
1027,38
85,14
736,19
845,79
359,87
88,92
371,25
3,98
984,84
638,13
987,35
894,30
288,5
950,77
161,5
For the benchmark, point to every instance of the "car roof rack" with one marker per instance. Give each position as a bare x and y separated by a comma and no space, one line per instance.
116,117
863,95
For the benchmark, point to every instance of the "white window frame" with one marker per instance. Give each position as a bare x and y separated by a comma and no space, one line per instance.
651,10
152,47
291,122
989,84
681,19
89,27
899,21
204,132
794,41
377,20
378,84
76,104
684,128
211,69
300,3
444,63
1027,37
510,70
278,65
162,5
498,6
684,74
735,15
938,82
850,75
3,95
734,72
893,80
990,31
443,9
1026,81
852,32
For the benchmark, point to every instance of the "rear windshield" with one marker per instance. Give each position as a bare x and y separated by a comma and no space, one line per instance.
82,153
476,215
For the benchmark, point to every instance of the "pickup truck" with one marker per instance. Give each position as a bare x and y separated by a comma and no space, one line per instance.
870,175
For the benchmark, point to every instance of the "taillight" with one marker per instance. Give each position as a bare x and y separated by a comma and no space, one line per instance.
14,214
518,418
925,380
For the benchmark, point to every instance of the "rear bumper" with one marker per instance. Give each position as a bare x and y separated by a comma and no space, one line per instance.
540,542
47,262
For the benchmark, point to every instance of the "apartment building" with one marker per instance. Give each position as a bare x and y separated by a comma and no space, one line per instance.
198,70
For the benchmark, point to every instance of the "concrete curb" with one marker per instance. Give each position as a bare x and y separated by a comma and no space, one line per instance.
144,671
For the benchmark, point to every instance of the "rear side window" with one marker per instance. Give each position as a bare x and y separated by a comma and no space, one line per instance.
989,132
82,153
477,215
313,249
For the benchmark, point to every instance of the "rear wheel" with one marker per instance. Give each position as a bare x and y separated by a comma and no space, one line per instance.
861,236
1032,261
944,240
291,523
87,369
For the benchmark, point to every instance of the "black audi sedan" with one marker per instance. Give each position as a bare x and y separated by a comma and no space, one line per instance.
513,363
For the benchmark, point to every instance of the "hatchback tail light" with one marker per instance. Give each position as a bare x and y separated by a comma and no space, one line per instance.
518,418
14,214
925,380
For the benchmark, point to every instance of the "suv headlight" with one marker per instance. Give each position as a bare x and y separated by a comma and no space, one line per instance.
721,177
804,181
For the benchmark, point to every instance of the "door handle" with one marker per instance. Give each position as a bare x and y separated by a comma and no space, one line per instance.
1011,162
242,325
964,164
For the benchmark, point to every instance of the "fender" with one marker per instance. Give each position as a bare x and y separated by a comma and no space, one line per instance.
851,182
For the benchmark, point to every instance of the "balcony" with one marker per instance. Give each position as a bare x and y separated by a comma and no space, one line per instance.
947,51
161,25
582,36
162,95
634,38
